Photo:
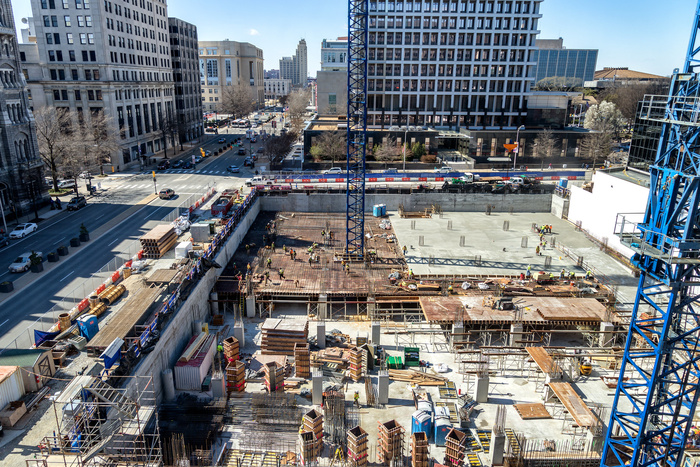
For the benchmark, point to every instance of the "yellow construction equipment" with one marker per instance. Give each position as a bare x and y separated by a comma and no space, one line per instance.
586,368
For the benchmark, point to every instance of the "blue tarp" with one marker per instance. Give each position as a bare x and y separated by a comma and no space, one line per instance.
41,336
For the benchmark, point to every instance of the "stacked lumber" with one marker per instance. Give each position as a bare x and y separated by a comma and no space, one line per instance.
302,363
357,447
313,423
455,447
390,443
419,449
274,377
279,336
417,377
235,377
231,349
331,355
158,241
355,361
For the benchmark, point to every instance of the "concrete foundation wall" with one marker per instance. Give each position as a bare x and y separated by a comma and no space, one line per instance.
597,211
179,329
560,207
450,202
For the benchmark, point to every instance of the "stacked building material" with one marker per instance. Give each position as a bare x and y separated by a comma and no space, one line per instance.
308,447
455,447
419,449
235,377
355,360
302,361
274,377
158,241
357,447
279,336
193,366
390,443
231,349
313,423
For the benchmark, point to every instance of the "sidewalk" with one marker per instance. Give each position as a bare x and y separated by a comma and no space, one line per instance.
173,153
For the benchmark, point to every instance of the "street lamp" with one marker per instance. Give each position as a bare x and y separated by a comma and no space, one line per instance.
517,145
405,137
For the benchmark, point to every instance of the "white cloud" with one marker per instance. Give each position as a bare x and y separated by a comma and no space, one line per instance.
254,32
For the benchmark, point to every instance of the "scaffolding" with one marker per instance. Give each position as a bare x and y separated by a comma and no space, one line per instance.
97,425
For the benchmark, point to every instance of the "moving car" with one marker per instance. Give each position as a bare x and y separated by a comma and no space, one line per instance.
444,170
198,159
222,140
166,193
241,151
258,180
66,184
187,165
333,170
248,162
207,153
177,164
23,262
85,175
233,169
4,240
22,230
164,164
76,203
261,150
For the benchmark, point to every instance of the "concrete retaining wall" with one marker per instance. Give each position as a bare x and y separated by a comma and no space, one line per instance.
180,328
450,202
560,206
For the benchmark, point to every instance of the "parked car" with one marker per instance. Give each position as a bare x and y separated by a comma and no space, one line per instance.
261,150
177,164
222,140
85,175
248,162
187,165
76,203
23,261
198,159
166,193
444,170
4,239
207,153
62,184
333,170
258,180
164,164
22,230
241,151
253,139
233,169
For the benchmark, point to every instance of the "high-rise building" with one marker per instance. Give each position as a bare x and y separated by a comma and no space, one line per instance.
184,50
332,78
228,63
334,55
21,180
106,56
276,88
295,68
451,63
559,66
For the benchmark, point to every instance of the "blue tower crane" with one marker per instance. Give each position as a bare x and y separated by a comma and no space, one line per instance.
653,409
357,126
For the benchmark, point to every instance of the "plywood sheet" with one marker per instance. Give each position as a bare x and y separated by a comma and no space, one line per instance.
532,411
574,404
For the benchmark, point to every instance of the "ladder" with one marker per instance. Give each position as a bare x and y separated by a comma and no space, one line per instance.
106,393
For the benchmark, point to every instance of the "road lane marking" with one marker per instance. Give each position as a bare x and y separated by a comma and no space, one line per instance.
66,277
8,319
60,240
115,240
99,216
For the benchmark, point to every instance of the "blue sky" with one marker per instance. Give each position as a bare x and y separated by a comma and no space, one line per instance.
643,35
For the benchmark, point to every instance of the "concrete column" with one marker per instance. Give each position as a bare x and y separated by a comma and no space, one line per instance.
218,386
481,389
516,335
316,387
597,439
250,306
321,334
371,307
498,447
458,329
376,334
214,305
606,334
239,333
322,306
383,387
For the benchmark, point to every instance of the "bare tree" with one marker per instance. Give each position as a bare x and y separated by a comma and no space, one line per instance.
388,151
545,143
626,97
558,83
237,101
330,145
277,147
106,138
168,130
297,101
54,136
596,144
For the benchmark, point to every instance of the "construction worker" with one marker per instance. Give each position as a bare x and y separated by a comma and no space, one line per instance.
562,274
589,275
284,247
404,250
269,262
247,268
323,234
247,249
281,273
273,247
267,276
347,269
449,289
537,250
410,273
572,275
356,398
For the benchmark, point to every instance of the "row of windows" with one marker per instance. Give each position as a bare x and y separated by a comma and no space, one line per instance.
451,22
62,95
493,71
82,21
137,16
414,85
453,6
466,55
51,4
127,75
434,38
60,74
57,56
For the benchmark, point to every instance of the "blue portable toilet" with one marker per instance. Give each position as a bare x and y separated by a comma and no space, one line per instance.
87,325
442,427
425,406
377,210
422,421
382,209
563,182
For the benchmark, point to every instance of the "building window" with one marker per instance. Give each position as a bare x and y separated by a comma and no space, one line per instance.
74,74
71,55
83,39
69,37
52,56
77,94
81,21
88,21
91,39
49,38
65,4
66,21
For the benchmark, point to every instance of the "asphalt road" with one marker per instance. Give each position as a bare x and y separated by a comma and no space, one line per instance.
117,195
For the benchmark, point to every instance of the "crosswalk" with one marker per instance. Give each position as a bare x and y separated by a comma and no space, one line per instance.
196,187
190,171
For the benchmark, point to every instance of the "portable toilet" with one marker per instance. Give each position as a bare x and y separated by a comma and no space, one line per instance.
563,182
377,210
425,406
88,327
442,427
421,421
382,209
